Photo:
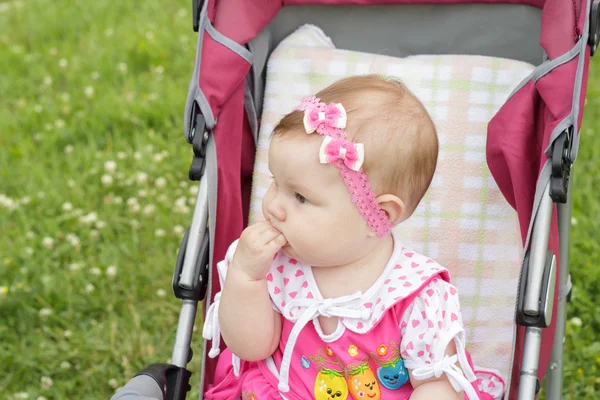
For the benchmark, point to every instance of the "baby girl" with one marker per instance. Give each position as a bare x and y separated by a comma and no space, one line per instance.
321,300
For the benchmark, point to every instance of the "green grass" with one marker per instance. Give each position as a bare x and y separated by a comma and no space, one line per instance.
85,273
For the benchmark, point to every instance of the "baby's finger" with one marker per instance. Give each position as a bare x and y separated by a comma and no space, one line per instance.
260,227
269,234
277,243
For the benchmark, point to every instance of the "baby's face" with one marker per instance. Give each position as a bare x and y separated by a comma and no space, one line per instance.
310,204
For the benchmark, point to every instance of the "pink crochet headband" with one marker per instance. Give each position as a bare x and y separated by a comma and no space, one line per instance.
329,120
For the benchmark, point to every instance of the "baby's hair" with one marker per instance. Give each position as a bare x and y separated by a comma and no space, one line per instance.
401,145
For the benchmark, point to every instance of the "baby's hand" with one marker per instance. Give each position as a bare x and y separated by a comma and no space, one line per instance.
256,248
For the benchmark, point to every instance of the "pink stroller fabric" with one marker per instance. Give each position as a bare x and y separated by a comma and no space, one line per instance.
518,139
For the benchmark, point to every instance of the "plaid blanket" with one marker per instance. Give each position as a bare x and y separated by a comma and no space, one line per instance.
463,221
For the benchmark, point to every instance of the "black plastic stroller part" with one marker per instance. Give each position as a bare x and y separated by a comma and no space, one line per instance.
594,37
196,8
561,166
198,137
159,373
177,384
544,317
198,292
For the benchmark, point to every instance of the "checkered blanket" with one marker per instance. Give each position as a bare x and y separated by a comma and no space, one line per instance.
463,221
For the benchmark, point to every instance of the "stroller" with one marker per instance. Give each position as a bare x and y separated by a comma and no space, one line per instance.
532,141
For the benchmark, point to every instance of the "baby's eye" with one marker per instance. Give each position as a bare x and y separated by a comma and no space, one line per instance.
299,198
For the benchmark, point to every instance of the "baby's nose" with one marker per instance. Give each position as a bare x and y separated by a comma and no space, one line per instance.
276,210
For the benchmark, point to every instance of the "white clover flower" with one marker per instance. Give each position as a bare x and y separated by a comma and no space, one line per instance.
178,229
74,266
89,288
67,206
182,13
149,35
135,224
142,193
159,232
88,219
45,312
121,155
141,177
161,293
69,149
89,92
134,208
65,364
21,395
158,157
29,251
59,123
41,195
118,200
67,333
122,67
25,200
100,225
108,32
574,221
137,155
110,166
113,383
111,271
30,235
38,108
53,51
48,80
95,271
63,63
48,242
149,209
160,182
95,75
41,398
576,321
7,202
73,240
71,183
159,69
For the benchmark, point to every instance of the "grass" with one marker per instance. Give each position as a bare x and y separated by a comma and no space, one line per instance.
94,197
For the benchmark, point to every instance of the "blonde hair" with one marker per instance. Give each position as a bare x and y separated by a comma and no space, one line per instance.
401,145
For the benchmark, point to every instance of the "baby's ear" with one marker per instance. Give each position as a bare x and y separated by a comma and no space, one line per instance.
393,206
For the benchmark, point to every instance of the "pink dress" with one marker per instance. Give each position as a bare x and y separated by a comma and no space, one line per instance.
404,321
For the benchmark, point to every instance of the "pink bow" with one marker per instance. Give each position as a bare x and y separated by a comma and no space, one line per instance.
334,116
353,154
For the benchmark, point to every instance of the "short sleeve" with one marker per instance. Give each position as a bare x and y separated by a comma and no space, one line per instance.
427,326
